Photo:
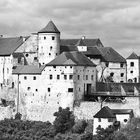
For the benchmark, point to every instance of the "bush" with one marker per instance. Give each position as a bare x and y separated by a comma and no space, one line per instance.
64,120
79,127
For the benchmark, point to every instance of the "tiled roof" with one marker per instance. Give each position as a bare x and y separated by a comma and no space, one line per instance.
68,48
49,28
122,111
92,51
71,58
80,43
133,56
87,42
9,45
28,69
110,55
105,112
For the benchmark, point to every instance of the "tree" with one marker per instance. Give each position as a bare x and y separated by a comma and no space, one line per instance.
64,120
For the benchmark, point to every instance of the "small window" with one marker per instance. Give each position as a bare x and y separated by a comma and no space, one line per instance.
25,77
132,64
78,77
28,88
53,37
51,77
99,119
65,77
121,81
121,65
131,71
58,76
122,74
107,64
54,67
51,48
35,58
36,90
70,89
70,77
27,55
56,54
49,89
92,77
34,78
49,54
86,77
125,120
44,37
71,67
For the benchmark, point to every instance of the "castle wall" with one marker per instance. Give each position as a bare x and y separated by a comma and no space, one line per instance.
87,110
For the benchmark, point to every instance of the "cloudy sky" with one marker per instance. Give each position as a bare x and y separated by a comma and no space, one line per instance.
115,22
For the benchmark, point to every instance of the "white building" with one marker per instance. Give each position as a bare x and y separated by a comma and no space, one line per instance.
106,117
133,68
61,82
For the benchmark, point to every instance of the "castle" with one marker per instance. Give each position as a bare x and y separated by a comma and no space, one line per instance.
43,72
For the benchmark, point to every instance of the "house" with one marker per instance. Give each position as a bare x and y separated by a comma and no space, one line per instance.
61,82
106,117
8,59
133,68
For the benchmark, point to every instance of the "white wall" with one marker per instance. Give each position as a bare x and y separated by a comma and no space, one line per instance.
134,68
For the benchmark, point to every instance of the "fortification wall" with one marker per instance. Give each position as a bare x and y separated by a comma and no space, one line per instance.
86,110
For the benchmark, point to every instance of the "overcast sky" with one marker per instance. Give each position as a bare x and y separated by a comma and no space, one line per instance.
115,22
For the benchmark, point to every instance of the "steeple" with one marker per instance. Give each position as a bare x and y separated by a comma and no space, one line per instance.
49,28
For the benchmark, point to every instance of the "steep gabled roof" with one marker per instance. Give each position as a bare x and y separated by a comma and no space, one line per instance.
68,48
71,58
28,69
105,112
133,56
87,42
9,45
110,55
49,28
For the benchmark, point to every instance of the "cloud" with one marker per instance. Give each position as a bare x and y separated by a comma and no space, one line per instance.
116,23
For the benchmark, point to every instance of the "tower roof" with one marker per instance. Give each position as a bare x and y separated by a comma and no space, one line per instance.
49,28
133,56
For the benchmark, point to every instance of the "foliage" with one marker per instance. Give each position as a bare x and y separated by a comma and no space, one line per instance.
64,120
79,127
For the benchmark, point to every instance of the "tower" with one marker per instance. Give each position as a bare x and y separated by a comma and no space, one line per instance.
133,72
48,43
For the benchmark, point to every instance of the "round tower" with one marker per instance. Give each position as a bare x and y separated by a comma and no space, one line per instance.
48,43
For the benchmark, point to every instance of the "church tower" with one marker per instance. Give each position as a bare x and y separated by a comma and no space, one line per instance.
48,43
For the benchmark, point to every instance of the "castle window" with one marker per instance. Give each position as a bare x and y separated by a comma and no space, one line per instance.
132,64
27,55
99,119
51,77
92,77
65,77
122,74
78,77
51,48
54,67
58,76
34,78
35,58
107,64
86,77
49,89
25,77
36,90
71,67
28,88
121,65
49,54
70,76
121,81
131,71
53,37
70,89
56,54
44,37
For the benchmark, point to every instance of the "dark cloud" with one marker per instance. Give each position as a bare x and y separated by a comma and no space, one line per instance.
116,23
